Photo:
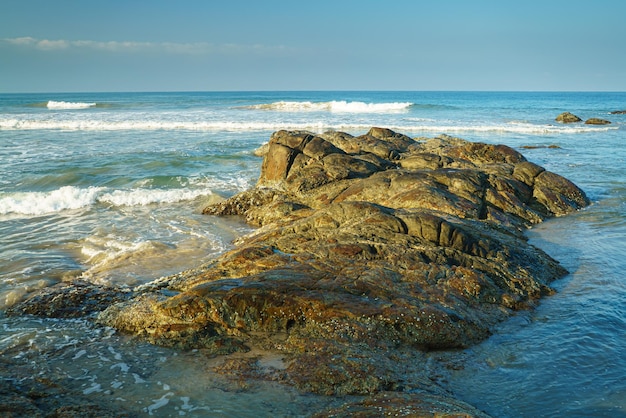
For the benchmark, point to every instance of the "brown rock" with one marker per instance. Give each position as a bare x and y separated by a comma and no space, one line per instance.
597,121
567,117
371,249
68,300
369,242
557,194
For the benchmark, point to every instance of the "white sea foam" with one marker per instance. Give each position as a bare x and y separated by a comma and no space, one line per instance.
69,105
141,197
520,128
39,203
79,354
120,259
71,197
95,387
407,125
104,250
124,368
338,106
152,125
158,403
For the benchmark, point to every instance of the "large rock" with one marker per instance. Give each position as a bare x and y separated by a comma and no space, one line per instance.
370,251
368,246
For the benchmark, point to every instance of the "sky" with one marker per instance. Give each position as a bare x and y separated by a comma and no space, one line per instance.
237,45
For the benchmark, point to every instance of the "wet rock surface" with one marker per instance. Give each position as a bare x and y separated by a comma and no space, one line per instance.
46,398
395,404
567,117
370,251
597,121
77,299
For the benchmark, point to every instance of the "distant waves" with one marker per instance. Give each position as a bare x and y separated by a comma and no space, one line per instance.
69,105
409,125
339,106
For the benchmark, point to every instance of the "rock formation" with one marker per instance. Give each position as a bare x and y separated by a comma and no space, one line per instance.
567,117
370,251
597,121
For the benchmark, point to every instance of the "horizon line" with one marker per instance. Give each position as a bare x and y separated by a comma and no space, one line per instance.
310,91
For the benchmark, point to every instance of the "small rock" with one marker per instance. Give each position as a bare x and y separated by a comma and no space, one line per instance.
567,117
596,121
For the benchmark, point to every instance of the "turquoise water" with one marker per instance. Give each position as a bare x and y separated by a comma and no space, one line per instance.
109,187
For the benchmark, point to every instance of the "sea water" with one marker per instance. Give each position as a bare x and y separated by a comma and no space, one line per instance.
109,188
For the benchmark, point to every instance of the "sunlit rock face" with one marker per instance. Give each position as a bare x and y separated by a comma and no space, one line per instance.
371,241
370,251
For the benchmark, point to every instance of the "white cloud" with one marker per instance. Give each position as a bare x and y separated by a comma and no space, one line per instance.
25,41
195,48
48,45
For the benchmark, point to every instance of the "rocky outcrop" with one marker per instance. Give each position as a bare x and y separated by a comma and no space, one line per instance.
597,121
370,251
567,117
368,246
618,112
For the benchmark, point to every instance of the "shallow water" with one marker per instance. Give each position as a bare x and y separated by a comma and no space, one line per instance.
566,357
112,193
140,378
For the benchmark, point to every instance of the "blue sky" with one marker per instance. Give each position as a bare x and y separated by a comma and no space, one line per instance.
205,45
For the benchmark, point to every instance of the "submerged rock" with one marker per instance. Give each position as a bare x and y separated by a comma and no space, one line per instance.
394,404
75,299
42,398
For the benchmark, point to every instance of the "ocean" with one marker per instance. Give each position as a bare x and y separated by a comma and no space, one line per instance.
109,188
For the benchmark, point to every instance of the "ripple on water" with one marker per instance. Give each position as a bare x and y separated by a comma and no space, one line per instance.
567,358
109,369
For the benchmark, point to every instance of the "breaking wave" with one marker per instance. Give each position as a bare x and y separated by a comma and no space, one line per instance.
407,125
337,106
153,125
92,122
519,128
142,197
71,197
69,105
39,203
